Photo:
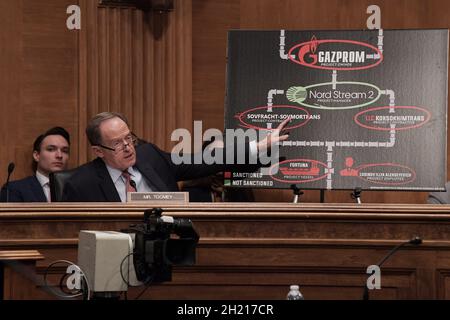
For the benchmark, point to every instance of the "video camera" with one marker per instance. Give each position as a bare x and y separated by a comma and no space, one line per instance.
160,243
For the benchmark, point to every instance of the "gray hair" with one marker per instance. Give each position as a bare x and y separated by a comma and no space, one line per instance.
93,128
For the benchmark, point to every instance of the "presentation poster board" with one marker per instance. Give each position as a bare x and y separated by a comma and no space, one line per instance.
368,109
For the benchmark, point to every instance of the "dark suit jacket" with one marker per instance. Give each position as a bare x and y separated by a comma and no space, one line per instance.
26,190
440,197
92,183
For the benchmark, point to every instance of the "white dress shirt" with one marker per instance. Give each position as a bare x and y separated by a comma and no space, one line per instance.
120,182
45,184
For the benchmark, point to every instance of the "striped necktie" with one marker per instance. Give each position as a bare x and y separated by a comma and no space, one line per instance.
129,186
46,188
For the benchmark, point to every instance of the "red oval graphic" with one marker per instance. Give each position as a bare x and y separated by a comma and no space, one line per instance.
243,123
313,170
313,45
358,122
387,175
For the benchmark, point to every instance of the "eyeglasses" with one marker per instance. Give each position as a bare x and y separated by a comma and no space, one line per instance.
120,146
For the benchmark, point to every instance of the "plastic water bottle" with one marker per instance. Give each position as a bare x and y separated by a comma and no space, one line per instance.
294,293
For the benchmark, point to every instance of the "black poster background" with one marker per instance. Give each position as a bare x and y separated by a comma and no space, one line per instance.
413,66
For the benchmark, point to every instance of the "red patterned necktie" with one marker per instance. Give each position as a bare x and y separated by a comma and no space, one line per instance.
127,177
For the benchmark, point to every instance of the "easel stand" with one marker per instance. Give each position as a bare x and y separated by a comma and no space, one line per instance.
356,195
297,193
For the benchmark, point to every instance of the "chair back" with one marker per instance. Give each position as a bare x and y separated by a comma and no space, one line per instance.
57,181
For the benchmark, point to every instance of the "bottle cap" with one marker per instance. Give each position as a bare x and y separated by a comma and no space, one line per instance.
294,287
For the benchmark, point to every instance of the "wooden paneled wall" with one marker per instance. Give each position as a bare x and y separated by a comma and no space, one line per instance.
38,78
139,64
161,70
121,60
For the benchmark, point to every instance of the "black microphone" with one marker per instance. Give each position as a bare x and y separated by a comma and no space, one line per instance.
11,167
414,241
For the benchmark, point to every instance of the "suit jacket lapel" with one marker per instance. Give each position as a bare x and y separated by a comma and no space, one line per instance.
143,164
36,189
153,179
105,182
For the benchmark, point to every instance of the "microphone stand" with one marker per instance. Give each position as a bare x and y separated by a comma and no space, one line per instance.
11,167
356,195
414,241
297,193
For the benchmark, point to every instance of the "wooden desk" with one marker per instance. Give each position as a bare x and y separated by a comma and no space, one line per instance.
256,250
17,267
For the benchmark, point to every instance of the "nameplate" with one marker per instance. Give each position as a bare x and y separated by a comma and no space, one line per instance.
170,197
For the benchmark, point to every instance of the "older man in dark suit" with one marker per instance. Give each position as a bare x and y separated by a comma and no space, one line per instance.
121,167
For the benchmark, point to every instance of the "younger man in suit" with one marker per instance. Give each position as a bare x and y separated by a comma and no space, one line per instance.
50,154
